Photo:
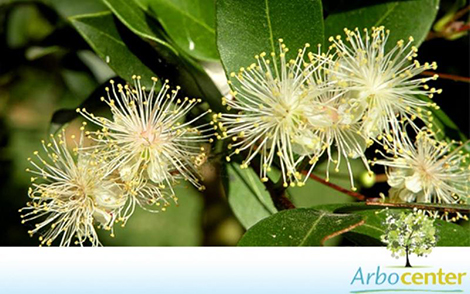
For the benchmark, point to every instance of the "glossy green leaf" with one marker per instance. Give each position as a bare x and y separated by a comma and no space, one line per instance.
299,227
102,34
450,234
67,8
135,19
402,18
369,233
163,58
246,28
190,23
247,196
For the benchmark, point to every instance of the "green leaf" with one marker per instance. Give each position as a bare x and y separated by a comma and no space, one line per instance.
67,8
246,28
167,61
101,33
369,233
190,23
135,19
299,227
402,18
247,196
450,234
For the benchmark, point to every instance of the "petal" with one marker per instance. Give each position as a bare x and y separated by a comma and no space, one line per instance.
157,170
424,197
406,195
101,216
129,170
109,195
372,125
320,120
396,177
414,183
305,143
351,114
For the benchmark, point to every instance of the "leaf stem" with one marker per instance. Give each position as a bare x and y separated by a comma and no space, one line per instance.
276,190
372,202
446,76
356,195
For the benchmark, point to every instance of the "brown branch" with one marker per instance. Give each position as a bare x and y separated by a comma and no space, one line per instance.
446,76
451,27
460,13
373,202
277,192
338,188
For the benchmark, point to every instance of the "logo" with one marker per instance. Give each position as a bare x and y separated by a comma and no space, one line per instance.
406,277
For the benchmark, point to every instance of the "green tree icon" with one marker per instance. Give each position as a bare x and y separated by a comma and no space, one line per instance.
409,232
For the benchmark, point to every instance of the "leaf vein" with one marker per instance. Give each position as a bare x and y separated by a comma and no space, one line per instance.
314,225
386,14
191,17
268,18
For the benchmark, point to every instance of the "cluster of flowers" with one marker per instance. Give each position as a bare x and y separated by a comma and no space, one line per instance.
135,158
287,112
292,111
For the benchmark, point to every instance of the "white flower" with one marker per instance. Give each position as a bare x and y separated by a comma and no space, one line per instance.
427,171
385,81
148,141
73,195
269,99
335,120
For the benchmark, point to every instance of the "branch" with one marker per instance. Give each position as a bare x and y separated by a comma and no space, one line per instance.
460,13
448,209
452,27
276,191
356,195
446,76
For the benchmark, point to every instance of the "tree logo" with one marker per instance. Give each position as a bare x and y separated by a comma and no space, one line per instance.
409,232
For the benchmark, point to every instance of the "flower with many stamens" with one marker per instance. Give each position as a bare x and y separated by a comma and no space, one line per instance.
70,193
268,100
427,171
385,80
148,140
334,118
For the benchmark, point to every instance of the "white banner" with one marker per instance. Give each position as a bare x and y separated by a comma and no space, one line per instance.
194,270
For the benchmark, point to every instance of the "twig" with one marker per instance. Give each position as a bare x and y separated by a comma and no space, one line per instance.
338,188
452,26
418,206
446,76
460,13
276,191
